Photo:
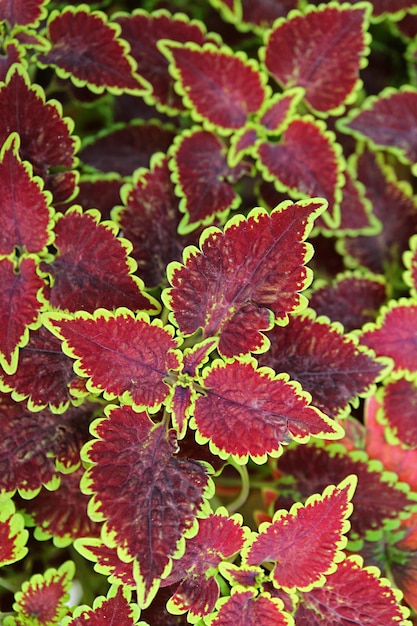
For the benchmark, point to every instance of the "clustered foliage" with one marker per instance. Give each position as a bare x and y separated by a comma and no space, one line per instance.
208,305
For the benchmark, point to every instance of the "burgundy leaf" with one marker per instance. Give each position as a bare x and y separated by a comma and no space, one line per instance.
352,298
387,120
263,411
143,31
115,610
403,564
99,191
356,210
263,13
378,496
306,542
306,162
181,407
410,261
106,561
393,7
394,334
20,302
242,608
327,364
13,536
87,48
30,230
219,86
92,268
34,444
204,178
44,375
145,484
352,595
23,109
257,262
128,147
121,354
399,406
320,51
22,12
277,110
13,54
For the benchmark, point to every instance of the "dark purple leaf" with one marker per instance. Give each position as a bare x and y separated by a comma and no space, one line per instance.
22,12
399,402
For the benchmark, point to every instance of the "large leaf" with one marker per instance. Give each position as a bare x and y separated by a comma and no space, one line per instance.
22,12
120,354
245,608
87,48
321,50
327,363
306,543
149,500
92,268
249,411
13,536
116,609
230,286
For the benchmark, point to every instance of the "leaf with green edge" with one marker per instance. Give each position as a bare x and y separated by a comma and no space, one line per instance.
116,609
121,354
13,535
150,498
403,563
86,47
242,143
334,368
394,334
394,206
410,262
276,111
13,53
356,210
390,8
322,51
264,412
352,298
35,446
43,599
353,594
101,191
258,16
92,268
24,109
31,230
219,537
149,219
399,400
44,375
232,285
221,87
204,180
387,120
22,297
22,12
245,608
379,497
143,31
306,162
106,561
306,543
124,148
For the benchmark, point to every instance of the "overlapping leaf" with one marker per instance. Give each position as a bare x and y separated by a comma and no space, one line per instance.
244,607
305,544
230,286
116,608
106,561
22,12
13,536
150,498
306,162
399,402
356,210
321,50
221,88
328,364
120,354
86,47
259,15
253,412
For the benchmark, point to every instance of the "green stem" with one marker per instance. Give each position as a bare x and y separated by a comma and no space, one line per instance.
244,492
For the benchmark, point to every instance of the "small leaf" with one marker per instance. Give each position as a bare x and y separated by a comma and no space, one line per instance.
399,400
277,109
221,87
263,411
87,48
13,536
244,608
306,542
255,266
356,210
101,191
121,355
116,608
106,561
150,499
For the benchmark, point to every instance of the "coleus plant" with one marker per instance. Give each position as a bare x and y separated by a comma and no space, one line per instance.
208,262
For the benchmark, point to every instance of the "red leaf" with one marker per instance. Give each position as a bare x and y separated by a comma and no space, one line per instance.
221,87
121,354
22,12
203,178
13,54
13,536
87,48
399,402
23,109
257,262
320,51
99,191
410,262
106,561
278,108
263,412
92,268
242,608
306,543
115,610
20,302
355,595
306,162
327,364
393,7
263,13
28,230
357,216
145,484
